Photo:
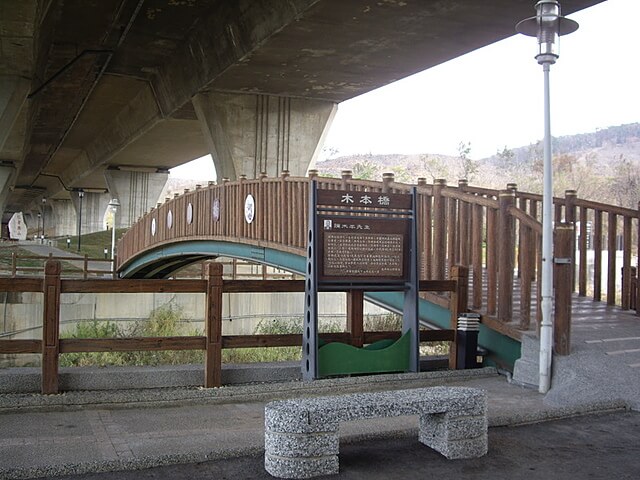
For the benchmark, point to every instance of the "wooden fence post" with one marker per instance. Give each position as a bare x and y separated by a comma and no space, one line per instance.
563,267
51,326
506,254
355,316
439,233
458,305
213,352
626,263
464,219
570,197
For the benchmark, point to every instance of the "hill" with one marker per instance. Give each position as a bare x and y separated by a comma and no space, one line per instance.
603,165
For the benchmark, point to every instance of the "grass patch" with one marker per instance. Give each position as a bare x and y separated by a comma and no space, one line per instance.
92,244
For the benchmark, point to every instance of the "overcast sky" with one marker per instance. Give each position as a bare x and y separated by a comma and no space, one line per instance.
493,97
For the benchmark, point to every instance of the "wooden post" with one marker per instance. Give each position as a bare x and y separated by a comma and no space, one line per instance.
626,263
458,305
347,175
213,352
597,254
464,219
612,231
570,197
582,269
51,326
527,260
476,254
387,179
492,260
563,267
637,289
439,234
506,254
452,233
355,316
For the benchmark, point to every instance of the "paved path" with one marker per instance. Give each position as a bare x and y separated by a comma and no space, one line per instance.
596,447
74,258
81,432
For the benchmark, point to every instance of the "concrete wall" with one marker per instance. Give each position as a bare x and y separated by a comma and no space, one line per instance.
22,312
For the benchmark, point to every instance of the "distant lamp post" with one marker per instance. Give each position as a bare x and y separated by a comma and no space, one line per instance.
80,196
106,252
68,242
114,204
548,25
44,209
39,217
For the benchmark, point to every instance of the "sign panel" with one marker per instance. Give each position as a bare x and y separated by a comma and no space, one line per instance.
17,227
354,250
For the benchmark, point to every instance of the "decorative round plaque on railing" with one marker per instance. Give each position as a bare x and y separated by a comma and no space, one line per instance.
249,208
153,227
189,213
215,209
169,219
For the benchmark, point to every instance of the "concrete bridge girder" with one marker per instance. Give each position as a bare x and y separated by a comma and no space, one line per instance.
249,134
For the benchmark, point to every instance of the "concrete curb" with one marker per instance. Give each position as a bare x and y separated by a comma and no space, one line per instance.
254,392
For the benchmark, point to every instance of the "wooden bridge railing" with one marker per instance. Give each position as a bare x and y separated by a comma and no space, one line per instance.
212,342
497,234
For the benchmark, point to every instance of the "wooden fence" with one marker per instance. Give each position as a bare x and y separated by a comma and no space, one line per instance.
495,233
51,345
84,267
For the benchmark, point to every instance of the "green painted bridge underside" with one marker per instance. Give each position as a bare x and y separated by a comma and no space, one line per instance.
160,262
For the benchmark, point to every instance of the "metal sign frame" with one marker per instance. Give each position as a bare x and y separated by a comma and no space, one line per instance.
391,221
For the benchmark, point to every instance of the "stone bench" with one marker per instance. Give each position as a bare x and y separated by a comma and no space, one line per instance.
301,435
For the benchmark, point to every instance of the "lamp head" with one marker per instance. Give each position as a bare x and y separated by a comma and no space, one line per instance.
548,25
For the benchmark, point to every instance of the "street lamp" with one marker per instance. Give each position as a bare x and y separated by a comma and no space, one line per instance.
548,25
39,217
114,204
44,209
80,196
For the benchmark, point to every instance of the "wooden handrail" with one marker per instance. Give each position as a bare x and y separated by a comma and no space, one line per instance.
53,286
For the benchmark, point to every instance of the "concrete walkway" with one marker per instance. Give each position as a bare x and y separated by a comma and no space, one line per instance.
78,432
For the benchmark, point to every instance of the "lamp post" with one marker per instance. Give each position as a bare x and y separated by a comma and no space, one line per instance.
548,25
80,196
39,217
114,204
44,209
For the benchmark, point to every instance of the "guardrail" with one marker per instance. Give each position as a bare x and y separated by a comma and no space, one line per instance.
53,285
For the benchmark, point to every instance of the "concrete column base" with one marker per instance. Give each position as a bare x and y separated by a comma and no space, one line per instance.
249,134
136,191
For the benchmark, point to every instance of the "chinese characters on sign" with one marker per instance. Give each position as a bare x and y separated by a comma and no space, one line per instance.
365,199
363,255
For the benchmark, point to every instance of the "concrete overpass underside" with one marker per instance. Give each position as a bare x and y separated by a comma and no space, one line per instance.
141,86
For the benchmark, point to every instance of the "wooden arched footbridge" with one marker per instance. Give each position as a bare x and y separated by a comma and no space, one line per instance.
496,234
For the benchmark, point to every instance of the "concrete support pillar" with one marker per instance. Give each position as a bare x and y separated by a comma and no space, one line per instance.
13,93
136,191
248,134
61,218
6,174
94,206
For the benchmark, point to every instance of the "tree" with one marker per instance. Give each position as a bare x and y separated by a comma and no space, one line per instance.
434,166
467,167
365,170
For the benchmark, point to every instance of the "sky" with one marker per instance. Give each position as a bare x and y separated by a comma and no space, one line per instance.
492,97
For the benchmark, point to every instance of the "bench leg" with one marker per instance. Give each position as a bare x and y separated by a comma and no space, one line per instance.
301,455
454,435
